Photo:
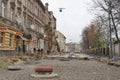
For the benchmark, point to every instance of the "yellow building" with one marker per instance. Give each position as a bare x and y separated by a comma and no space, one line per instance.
10,38
61,41
22,26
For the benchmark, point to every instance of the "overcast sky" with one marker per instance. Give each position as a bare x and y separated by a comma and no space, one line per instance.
73,19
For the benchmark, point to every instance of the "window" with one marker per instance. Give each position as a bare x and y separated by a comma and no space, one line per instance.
24,2
41,30
10,41
24,20
36,10
29,23
29,5
1,38
40,14
12,14
19,16
3,9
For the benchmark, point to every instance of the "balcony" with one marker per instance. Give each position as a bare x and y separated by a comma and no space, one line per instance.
9,23
40,35
47,26
27,35
12,2
46,38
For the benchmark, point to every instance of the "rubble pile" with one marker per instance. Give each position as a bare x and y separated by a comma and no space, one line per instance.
114,63
11,61
102,59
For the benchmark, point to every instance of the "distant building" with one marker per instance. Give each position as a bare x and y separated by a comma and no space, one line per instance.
60,41
77,47
73,47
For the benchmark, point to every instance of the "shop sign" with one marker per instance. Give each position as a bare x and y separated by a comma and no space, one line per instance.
19,34
3,29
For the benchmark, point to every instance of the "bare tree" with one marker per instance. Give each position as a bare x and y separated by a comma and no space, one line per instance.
112,8
85,40
91,35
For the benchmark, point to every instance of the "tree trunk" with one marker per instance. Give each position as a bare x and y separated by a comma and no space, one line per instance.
116,34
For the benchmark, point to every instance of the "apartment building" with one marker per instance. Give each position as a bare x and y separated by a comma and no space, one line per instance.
52,32
60,41
23,25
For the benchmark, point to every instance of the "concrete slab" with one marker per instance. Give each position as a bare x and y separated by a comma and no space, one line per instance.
45,76
64,59
14,67
114,63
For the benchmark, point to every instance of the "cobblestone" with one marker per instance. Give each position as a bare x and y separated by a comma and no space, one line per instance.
67,70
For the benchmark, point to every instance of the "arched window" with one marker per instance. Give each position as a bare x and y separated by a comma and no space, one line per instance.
1,38
10,40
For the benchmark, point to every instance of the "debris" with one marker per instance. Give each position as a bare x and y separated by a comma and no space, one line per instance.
114,63
64,59
104,60
14,68
47,76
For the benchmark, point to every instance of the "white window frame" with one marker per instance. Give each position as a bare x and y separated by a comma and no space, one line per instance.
3,9
11,14
1,36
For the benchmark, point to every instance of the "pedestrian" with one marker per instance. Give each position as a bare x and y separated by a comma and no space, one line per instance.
38,53
41,51
48,52
34,50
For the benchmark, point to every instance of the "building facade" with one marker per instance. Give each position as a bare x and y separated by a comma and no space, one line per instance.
51,32
23,25
60,42
73,47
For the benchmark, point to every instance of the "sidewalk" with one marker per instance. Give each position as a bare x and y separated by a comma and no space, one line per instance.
109,61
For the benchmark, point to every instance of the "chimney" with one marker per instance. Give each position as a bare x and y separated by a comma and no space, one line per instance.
46,6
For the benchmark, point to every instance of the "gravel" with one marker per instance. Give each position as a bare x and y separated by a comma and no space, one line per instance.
67,70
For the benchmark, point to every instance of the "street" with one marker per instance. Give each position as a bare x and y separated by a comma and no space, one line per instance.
59,40
67,70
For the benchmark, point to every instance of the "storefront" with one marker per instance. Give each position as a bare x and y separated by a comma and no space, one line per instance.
10,38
